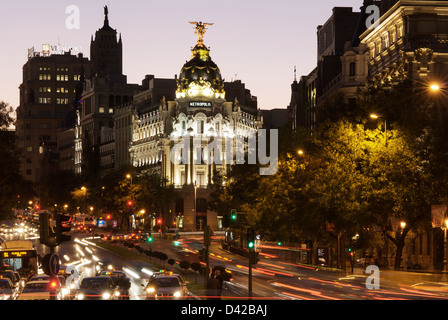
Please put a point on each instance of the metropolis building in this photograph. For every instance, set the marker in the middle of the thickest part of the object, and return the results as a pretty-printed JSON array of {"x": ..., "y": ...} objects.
[{"x": 187, "y": 139}]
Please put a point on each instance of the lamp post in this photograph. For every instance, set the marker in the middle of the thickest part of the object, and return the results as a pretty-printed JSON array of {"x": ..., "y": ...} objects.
[
  {"x": 445, "y": 254},
  {"x": 195, "y": 213}
]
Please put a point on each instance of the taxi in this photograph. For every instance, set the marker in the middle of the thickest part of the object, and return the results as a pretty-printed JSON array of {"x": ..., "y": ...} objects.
[{"x": 166, "y": 286}]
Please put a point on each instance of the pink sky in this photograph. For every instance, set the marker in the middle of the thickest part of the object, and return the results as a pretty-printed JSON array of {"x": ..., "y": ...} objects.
[{"x": 256, "y": 41}]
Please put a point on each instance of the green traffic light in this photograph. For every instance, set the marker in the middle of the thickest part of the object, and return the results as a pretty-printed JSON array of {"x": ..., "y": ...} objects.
[
  {"x": 150, "y": 239},
  {"x": 233, "y": 216},
  {"x": 250, "y": 244}
]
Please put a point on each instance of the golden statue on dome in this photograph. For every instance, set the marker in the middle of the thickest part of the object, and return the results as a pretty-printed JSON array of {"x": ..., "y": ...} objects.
[{"x": 200, "y": 31}]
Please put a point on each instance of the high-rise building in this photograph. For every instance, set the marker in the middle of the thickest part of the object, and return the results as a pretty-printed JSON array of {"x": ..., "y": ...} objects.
[
  {"x": 47, "y": 95},
  {"x": 103, "y": 93},
  {"x": 310, "y": 91}
]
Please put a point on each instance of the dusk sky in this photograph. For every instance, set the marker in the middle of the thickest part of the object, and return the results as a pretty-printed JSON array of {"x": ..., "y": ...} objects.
[{"x": 256, "y": 41}]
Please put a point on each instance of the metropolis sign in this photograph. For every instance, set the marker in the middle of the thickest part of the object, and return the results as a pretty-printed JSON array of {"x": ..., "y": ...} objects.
[{"x": 203, "y": 104}]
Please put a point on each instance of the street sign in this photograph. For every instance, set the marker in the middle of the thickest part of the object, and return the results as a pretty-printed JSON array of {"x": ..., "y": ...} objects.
[
  {"x": 54, "y": 264},
  {"x": 50, "y": 264}
]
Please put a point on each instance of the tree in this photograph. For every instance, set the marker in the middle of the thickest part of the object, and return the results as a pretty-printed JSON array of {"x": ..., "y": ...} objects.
[
  {"x": 171, "y": 262},
  {"x": 196, "y": 267},
  {"x": 184, "y": 264},
  {"x": 12, "y": 184},
  {"x": 155, "y": 194}
]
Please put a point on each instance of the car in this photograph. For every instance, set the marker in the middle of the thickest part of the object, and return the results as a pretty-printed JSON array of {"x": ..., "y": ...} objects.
[
  {"x": 121, "y": 281},
  {"x": 7, "y": 289},
  {"x": 97, "y": 288},
  {"x": 171, "y": 234},
  {"x": 13, "y": 276},
  {"x": 166, "y": 286},
  {"x": 60, "y": 283},
  {"x": 40, "y": 290}
]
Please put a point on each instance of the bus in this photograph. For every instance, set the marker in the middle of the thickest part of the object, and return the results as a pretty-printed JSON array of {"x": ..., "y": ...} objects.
[
  {"x": 83, "y": 220},
  {"x": 20, "y": 256}
]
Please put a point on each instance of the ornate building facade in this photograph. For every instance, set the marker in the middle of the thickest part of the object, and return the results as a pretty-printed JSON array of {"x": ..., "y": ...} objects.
[
  {"x": 410, "y": 42},
  {"x": 191, "y": 137}
]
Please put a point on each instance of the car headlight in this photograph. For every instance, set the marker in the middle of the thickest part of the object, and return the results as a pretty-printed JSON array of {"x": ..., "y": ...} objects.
[
  {"x": 106, "y": 295},
  {"x": 150, "y": 290},
  {"x": 80, "y": 296},
  {"x": 117, "y": 293},
  {"x": 177, "y": 294}
]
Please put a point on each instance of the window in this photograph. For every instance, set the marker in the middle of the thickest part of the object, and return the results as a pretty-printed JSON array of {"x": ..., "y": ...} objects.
[
  {"x": 352, "y": 69},
  {"x": 201, "y": 205},
  {"x": 200, "y": 176},
  {"x": 200, "y": 126},
  {"x": 45, "y": 100},
  {"x": 101, "y": 110},
  {"x": 29, "y": 149},
  {"x": 44, "y": 77}
]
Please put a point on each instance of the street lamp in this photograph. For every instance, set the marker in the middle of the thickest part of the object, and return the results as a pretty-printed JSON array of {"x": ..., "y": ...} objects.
[
  {"x": 195, "y": 213},
  {"x": 300, "y": 152},
  {"x": 376, "y": 117},
  {"x": 435, "y": 87},
  {"x": 445, "y": 254}
]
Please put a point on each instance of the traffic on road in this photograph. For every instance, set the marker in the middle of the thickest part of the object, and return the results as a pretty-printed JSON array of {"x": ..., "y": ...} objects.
[{"x": 138, "y": 265}]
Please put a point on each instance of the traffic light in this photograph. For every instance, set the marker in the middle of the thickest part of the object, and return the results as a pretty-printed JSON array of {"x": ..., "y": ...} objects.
[
  {"x": 207, "y": 234},
  {"x": 44, "y": 227},
  {"x": 202, "y": 255},
  {"x": 149, "y": 239},
  {"x": 233, "y": 215},
  {"x": 130, "y": 203},
  {"x": 250, "y": 237},
  {"x": 61, "y": 227}
]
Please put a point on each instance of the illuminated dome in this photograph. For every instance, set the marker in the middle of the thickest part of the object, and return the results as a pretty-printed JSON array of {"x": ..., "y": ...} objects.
[{"x": 200, "y": 77}]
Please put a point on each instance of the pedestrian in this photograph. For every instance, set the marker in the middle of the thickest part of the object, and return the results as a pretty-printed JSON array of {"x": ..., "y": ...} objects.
[
  {"x": 220, "y": 281},
  {"x": 212, "y": 288}
]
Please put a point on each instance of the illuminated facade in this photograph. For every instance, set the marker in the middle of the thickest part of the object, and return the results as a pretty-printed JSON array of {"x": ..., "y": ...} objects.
[
  {"x": 410, "y": 41},
  {"x": 181, "y": 137}
]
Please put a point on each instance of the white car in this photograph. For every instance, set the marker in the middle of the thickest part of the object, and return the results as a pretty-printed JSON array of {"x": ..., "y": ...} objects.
[
  {"x": 40, "y": 290},
  {"x": 162, "y": 287}
]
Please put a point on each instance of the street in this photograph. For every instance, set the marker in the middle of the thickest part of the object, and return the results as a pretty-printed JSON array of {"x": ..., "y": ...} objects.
[{"x": 273, "y": 279}]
